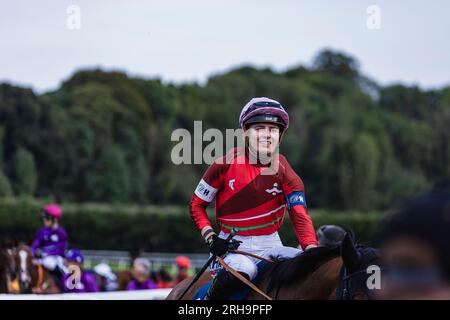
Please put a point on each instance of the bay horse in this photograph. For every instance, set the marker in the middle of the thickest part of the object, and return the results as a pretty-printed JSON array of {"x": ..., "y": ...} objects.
[
  {"x": 5, "y": 264},
  {"x": 317, "y": 274},
  {"x": 32, "y": 276},
  {"x": 8, "y": 281},
  {"x": 123, "y": 278}
]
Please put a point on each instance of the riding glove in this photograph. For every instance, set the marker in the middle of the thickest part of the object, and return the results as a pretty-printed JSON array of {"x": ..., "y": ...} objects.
[{"x": 220, "y": 246}]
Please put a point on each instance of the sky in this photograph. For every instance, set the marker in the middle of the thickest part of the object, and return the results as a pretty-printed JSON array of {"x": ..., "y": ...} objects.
[{"x": 403, "y": 41}]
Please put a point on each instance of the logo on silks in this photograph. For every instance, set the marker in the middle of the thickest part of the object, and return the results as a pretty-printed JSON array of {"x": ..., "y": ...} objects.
[
  {"x": 205, "y": 192},
  {"x": 54, "y": 237},
  {"x": 274, "y": 191},
  {"x": 202, "y": 189},
  {"x": 296, "y": 198},
  {"x": 230, "y": 183}
]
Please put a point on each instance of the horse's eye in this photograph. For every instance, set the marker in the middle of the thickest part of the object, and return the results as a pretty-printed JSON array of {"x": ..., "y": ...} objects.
[{"x": 360, "y": 296}]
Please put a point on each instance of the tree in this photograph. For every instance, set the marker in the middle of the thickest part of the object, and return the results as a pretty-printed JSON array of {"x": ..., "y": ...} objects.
[
  {"x": 105, "y": 136},
  {"x": 5, "y": 186},
  {"x": 113, "y": 176},
  {"x": 336, "y": 63},
  {"x": 25, "y": 175}
]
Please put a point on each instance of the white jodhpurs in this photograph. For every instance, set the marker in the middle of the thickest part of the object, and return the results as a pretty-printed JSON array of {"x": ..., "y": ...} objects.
[
  {"x": 266, "y": 246},
  {"x": 51, "y": 262}
]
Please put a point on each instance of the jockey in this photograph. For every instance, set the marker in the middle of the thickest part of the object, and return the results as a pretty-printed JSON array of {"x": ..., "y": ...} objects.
[
  {"x": 252, "y": 187},
  {"x": 141, "y": 275},
  {"x": 78, "y": 280},
  {"x": 51, "y": 241},
  {"x": 183, "y": 264},
  {"x": 106, "y": 278},
  {"x": 164, "y": 279}
]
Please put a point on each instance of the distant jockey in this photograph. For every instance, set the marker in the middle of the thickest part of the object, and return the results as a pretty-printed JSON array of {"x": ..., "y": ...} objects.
[
  {"x": 51, "y": 241},
  {"x": 78, "y": 280},
  {"x": 106, "y": 278},
  {"x": 183, "y": 264},
  {"x": 141, "y": 276}
]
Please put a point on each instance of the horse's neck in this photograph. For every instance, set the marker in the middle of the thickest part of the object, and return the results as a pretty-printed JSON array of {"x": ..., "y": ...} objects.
[
  {"x": 319, "y": 285},
  {"x": 323, "y": 282}
]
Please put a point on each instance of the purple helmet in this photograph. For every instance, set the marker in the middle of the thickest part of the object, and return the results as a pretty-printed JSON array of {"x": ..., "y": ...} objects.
[
  {"x": 263, "y": 109},
  {"x": 75, "y": 255}
]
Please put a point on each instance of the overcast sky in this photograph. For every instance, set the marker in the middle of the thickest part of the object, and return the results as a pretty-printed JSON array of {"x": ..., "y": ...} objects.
[{"x": 188, "y": 40}]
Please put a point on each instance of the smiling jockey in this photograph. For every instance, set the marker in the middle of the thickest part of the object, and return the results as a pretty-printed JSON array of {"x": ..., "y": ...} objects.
[{"x": 252, "y": 187}]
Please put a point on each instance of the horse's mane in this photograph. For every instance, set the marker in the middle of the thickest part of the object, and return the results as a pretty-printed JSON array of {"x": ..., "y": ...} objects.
[{"x": 283, "y": 272}]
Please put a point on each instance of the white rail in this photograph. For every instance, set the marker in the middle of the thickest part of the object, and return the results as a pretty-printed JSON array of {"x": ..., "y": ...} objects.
[
  {"x": 153, "y": 294},
  {"x": 122, "y": 258}
]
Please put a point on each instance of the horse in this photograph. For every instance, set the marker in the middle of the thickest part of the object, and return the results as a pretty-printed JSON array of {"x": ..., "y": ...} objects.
[
  {"x": 8, "y": 281},
  {"x": 32, "y": 276},
  {"x": 5, "y": 263},
  {"x": 123, "y": 278},
  {"x": 320, "y": 273}
]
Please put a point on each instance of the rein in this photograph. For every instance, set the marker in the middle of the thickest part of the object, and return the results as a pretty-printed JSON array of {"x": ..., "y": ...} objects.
[
  {"x": 251, "y": 255},
  {"x": 242, "y": 278}
]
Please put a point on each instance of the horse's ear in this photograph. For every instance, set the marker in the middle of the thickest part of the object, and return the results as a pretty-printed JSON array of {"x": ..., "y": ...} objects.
[
  {"x": 349, "y": 254},
  {"x": 352, "y": 235}
]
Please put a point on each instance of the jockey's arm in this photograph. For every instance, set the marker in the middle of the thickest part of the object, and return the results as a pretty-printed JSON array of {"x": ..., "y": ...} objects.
[
  {"x": 303, "y": 226},
  {"x": 204, "y": 194},
  {"x": 36, "y": 243},
  {"x": 294, "y": 190},
  {"x": 197, "y": 210},
  {"x": 62, "y": 245}
]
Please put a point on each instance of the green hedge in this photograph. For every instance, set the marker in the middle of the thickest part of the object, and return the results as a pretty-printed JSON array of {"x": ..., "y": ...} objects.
[
  {"x": 364, "y": 224},
  {"x": 148, "y": 228}
]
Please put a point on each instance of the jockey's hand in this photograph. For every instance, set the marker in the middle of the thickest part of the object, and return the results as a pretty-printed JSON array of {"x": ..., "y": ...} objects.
[
  {"x": 218, "y": 246},
  {"x": 234, "y": 244},
  {"x": 38, "y": 254},
  {"x": 311, "y": 246}
]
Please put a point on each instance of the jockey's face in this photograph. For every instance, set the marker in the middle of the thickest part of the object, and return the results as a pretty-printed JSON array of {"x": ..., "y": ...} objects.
[
  {"x": 140, "y": 272},
  {"x": 263, "y": 138},
  {"x": 139, "y": 275},
  {"x": 413, "y": 271},
  {"x": 182, "y": 270},
  {"x": 48, "y": 220}
]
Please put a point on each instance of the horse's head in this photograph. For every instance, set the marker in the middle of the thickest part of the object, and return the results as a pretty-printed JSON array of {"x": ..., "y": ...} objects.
[
  {"x": 24, "y": 267},
  {"x": 359, "y": 264}
]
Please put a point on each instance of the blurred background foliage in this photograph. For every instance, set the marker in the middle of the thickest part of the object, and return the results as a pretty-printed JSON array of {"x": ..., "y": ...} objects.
[
  {"x": 105, "y": 137},
  {"x": 148, "y": 228}
]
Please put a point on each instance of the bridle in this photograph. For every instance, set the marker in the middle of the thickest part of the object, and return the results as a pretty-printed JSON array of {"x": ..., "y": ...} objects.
[
  {"x": 368, "y": 256},
  {"x": 346, "y": 280}
]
